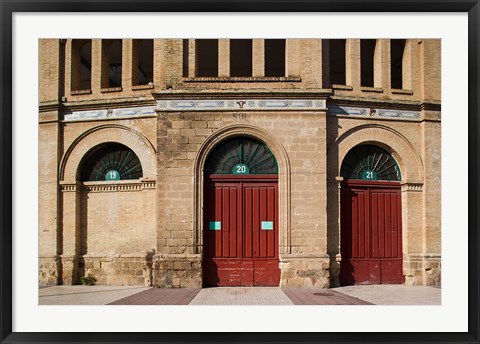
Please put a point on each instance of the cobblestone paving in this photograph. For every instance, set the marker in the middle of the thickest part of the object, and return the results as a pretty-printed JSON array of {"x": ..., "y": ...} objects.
[{"x": 241, "y": 296}]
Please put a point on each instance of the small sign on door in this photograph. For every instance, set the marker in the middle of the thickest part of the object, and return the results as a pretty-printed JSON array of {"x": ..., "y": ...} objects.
[
  {"x": 267, "y": 225},
  {"x": 215, "y": 225}
]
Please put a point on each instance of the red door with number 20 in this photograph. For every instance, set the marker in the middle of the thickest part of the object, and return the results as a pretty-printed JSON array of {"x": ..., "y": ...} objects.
[{"x": 241, "y": 231}]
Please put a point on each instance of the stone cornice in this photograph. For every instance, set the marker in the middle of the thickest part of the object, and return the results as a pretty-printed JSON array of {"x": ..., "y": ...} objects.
[
  {"x": 243, "y": 79},
  {"x": 105, "y": 104},
  {"x": 242, "y": 93},
  {"x": 49, "y": 106},
  {"x": 114, "y": 186},
  {"x": 412, "y": 105},
  {"x": 413, "y": 187}
]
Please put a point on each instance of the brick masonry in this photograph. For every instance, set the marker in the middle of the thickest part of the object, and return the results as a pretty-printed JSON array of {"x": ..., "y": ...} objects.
[{"x": 149, "y": 231}]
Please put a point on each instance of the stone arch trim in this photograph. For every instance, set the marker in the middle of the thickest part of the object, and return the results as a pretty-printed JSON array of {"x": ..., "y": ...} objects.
[
  {"x": 283, "y": 177},
  {"x": 134, "y": 140},
  {"x": 409, "y": 160}
]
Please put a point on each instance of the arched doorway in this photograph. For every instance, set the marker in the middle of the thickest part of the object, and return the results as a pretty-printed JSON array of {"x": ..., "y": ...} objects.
[
  {"x": 241, "y": 215},
  {"x": 371, "y": 217}
]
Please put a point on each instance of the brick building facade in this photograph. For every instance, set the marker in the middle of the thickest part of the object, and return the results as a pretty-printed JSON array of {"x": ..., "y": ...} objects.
[{"x": 189, "y": 163}]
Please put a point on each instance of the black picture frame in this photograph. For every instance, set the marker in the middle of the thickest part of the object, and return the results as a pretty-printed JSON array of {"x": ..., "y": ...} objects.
[{"x": 9, "y": 7}]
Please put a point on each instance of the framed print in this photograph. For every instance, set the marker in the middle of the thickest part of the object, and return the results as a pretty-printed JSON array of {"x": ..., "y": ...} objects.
[{"x": 306, "y": 149}]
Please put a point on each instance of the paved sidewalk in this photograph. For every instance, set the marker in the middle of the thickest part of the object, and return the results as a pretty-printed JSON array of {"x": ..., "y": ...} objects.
[
  {"x": 305, "y": 296},
  {"x": 241, "y": 296},
  {"x": 85, "y": 295},
  {"x": 350, "y": 295},
  {"x": 159, "y": 296},
  {"x": 394, "y": 294}
]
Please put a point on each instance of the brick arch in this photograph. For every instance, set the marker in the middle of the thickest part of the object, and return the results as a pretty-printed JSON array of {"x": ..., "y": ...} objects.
[
  {"x": 139, "y": 144},
  {"x": 283, "y": 176},
  {"x": 410, "y": 162}
]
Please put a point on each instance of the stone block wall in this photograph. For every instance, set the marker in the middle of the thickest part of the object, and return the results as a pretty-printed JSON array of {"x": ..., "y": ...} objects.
[
  {"x": 302, "y": 232},
  {"x": 166, "y": 221},
  {"x": 121, "y": 269}
]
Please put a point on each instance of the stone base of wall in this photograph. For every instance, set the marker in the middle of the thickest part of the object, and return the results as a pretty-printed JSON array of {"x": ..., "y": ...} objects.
[
  {"x": 422, "y": 270},
  {"x": 334, "y": 267},
  {"x": 433, "y": 270},
  {"x": 304, "y": 272},
  {"x": 132, "y": 269},
  {"x": 177, "y": 271},
  {"x": 69, "y": 269},
  {"x": 48, "y": 268}
]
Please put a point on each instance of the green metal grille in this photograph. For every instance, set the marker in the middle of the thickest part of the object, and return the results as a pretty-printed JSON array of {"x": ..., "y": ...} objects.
[
  {"x": 241, "y": 151},
  {"x": 111, "y": 161},
  {"x": 369, "y": 162}
]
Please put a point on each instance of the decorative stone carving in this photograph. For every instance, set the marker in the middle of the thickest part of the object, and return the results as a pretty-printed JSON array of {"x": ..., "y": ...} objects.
[
  {"x": 110, "y": 113},
  {"x": 241, "y": 104},
  {"x": 335, "y": 110},
  {"x": 415, "y": 187},
  {"x": 109, "y": 187}
]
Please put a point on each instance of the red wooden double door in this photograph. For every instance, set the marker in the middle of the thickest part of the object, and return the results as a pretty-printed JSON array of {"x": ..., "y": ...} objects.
[
  {"x": 371, "y": 233},
  {"x": 241, "y": 231}
]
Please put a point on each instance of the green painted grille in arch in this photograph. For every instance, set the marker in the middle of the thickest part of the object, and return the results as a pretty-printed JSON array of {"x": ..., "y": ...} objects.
[
  {"x": 241, "y": 155},
  {"x": 111, "y": 161},
  {"x": 370, "y": 162}
]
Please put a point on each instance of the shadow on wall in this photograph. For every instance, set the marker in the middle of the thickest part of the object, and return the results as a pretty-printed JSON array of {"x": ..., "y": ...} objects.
[
  {"x": 346, "y": 276},
  {"x": 333, "y": 202}
]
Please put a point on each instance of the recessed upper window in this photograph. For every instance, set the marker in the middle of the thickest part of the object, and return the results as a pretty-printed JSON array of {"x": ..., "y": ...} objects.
[
  {"x": 109, "y": 162},
  {"x": 336, "y": 61},
  {"x": 111, "y": 63},
  {"x": 241, "y": 57},
  {"x": 367, "y": 56},
  {"x": 275, "y": 57},
  {"x": 142, "y": 69},
  {"x": 81, "y": 64},
  {"x": 206, "y": 54},
  {"x": 397, "y": 48}
]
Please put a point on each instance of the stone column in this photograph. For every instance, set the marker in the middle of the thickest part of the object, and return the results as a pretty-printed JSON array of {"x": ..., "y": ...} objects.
[
  {"x": 223, "y": 57},
  {"x": 432, "y": 198},
  {"x": 258, "y": 53},
  {"x": 352, "y": 63},
  {"x": 382, "y": 64},
  {"x": 292, "y": 47},
  {"x": 71, "y": 232},
  {"x": 192, "y": 68},
  {"x": 408, "y": 64},
  {"x": 97, "y": 65},
  {"x": 333, "y": 229},
  {"x": 129, "y": 64},
  {"x": 412, "y": 230},
  {"x": 157, "y": 63}
]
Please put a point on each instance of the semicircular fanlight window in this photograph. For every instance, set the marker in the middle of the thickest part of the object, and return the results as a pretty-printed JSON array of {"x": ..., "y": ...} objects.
[
  {"x": 241, "y": 155},
  {"x": 112, "y": 161},
  {"x": 369, "y": 162}
]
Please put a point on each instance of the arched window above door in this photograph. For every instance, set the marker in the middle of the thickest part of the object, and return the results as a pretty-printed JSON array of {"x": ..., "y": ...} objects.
[
  {"x": 241, "y": 155},
  {"x": 370, "y": 162},
  {"x": 111, "y": 161}
]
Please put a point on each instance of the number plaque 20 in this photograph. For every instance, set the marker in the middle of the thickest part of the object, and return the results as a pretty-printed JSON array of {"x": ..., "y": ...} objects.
[{"x": 241, "y": 169}]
